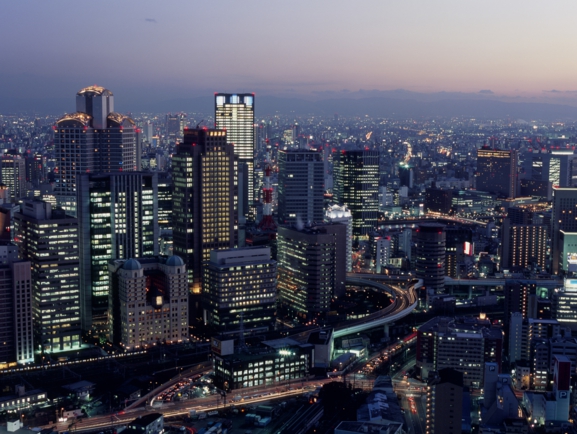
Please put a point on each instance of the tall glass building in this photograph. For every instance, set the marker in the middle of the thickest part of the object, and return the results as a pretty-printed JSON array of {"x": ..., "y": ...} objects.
[
  {"x": 94, "y": 139},
  {"x": 235, "y": 114},
  {"x": 497, "y": 171},
  {"x": 300, "y": 187},
  {"x": 356, "y": 185},
  {"x": 204, "y": 217},
  {"x": 49, "y": 240},
  {"x": 118, "y": 217}
]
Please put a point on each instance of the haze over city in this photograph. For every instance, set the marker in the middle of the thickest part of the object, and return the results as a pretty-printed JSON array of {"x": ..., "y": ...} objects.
[{"x": 153, "y": 52}]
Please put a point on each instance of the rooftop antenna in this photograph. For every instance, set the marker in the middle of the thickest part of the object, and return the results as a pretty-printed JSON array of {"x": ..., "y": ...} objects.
[{"x": 198, "y": 125}]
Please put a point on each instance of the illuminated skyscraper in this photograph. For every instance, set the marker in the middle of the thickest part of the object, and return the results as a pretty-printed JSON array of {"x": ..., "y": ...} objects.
[
  {"x": 204, "y": 217},
  {"x": 14, "y": 175},
  {"x": 431, "y": 239},
  {"x": 311, "y": 267},
  {"x": 497, "y": 171},
  {"x": 93, "y": 139},
  {"x": 523, "y": 245},
  {"x": 118, "y": 217},
  {"x": 240, "y": 282},
  {"x": 356, "y": 176},
  {"x": 300, "y": 187},
  {"x": 235, "y": 114},
  {"x": 49, "y": 240}
]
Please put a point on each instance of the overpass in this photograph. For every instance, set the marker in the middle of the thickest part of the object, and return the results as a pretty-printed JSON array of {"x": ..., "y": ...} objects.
[{"x": 404, "y": 302}]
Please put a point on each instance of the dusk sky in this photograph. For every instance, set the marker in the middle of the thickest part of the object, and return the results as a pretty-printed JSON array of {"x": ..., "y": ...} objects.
[{"x": 173, "y": 49}]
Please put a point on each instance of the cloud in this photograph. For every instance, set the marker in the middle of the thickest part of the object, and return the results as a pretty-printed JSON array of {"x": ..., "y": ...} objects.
[
  {"x": 486, "y": 91},
  {"x": 150, "y": 20}
]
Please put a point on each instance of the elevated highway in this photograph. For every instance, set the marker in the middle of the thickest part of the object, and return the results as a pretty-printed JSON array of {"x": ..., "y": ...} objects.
[{"x": 404, "y": 302}]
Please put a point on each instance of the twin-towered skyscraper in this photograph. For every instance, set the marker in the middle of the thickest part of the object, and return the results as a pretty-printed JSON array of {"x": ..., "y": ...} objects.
[{"x": 94, "y": 139}]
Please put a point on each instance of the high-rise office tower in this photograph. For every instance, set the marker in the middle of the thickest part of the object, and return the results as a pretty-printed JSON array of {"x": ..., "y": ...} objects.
[
  {"x": 118, "y": 218},
  {"x": 341, "y": 214},
  {"x": 174, "y": 126},
  {"x": 13, "y": 170},
  {"x": 563, "y": 227},
  {"x": 497, "y": 171},
  {"x": 445, "y": 403},
  {"x": 356, "y": 185},
  {"x": 300, "y": 187},
  {"x": 312, "y": 267},
  {"x": 542, "y": 170},
  {"x": 523, "y": 245},
  {"x": 164, "y": 203},
  {"x": 49, "y": 240},
  {"x": 431, "y": 239},
  {"x": 406, "y": 175},
  {"x": 16, "y": 332},
  {"x": 240, "y": 282},
  {"x": 235, "y": 114},
  {"x": 148, "y": 301},
  {"x": 94, "y": 139},
  {"x": 204, "y": 216}
]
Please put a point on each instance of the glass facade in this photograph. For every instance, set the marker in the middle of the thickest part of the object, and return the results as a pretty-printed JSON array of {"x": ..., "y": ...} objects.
[{"x": 356, "y": 179}]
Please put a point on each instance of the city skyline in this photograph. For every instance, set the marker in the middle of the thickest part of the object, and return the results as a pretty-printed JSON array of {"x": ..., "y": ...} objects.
[{"x": 302, "y": 50}]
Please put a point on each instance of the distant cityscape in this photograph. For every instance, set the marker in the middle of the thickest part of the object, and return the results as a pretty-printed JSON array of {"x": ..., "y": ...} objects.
[{"x": 234, "y": 270}]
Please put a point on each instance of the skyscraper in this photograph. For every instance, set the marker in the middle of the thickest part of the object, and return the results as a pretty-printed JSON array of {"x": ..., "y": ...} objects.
[
  {"x": 523, "y": 245},
  {"x": 235, "y": 114},
  {"x": 300, "y": 187},
  {"x": 431, "y": 253},
  {"x": 118, "y": 217},
  {"x": 14, "y": 175},
  {"x": 93, "y": 139},
  {"x": 204, "y": 217},
  {"x": 497, "y": 171},
  {"x": 356, "y": 185},
  {"x": 16, "y": 331},
  {"x": 240, "y": 282},
  {"x": 49, "y": 240},
  {"x": 445, "y": 402},
  {"x": 312, "y": 267}
]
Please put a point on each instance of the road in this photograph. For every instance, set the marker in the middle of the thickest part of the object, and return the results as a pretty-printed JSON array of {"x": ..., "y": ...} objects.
[{"x": 208, "y": 403}]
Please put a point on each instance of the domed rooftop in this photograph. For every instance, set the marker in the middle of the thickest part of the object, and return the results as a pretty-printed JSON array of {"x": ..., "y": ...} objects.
[
  {"x": 132, "y": 265},
  {"x": 174, "y": 261},
  {"x": 94, "y": 90}
]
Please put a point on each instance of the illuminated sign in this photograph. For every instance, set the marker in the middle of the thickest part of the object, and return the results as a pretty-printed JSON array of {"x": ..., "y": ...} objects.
[
  {"x": 468, "y": 248},
  {"x": 286, "y": 353},
  {"x": 571, "y": 285}
]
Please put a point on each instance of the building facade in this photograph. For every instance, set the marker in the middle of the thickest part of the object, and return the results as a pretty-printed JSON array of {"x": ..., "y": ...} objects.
[
  {"x": 463, "y": 344},
  {"x": 13, "y": 170},
  {"x": 148, "y": 302},
  {"x": 312, "y": 267},
  {"x": 431, "y": 251},
  {"x": 118, "y": 216},
  {"x": 300, "y": 187},
  {"x": 240, "y": 284},
  {"x": 49, "y": 240},
  {"x": 16, "y": 326},
  {"x": 497, "y": 171},
  {"x": 94, "y": 139},
  {"x": 235, "y": 114},
  {"x": 356, "y": 185},
  {"x": 204, "y": 193}
]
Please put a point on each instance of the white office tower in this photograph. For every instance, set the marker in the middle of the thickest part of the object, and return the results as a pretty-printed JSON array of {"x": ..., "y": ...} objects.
[
  {"x": 235, "y": 114},
  {"x": 341, "y": 214}
]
